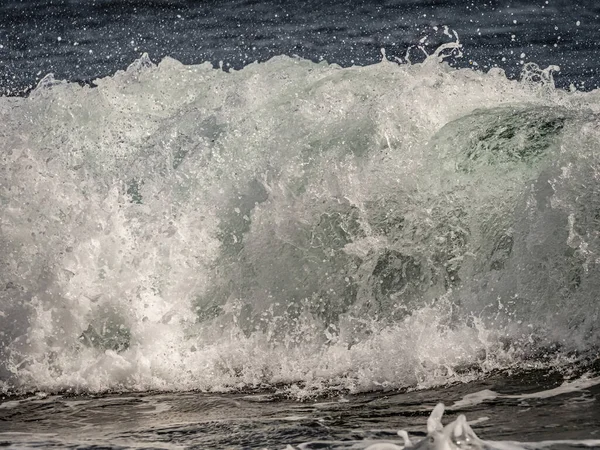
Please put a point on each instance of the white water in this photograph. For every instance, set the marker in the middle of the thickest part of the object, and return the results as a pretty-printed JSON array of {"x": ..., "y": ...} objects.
[
  {"x": 457, "y": 435},
  {"x": 181, "y": 227}
]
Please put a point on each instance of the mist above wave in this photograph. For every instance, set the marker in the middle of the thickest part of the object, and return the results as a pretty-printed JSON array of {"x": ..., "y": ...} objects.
[{"x": 182, "y": 227}]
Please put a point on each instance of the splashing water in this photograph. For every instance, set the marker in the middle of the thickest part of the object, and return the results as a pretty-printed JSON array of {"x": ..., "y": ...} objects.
[
  {"x": 295, "y": 224},
  {"x": 457, "y": 435}
]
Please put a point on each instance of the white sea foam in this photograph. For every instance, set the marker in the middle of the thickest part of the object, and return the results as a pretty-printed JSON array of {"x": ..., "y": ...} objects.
[
  {"x": 298, "y": 224},
  {"x": 567, "y": 387},
  {"x": 457, "y": 435}
]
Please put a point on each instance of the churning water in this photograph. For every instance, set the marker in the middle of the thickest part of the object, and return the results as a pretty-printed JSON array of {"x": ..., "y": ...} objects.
[{"x": 299, "y": 230}]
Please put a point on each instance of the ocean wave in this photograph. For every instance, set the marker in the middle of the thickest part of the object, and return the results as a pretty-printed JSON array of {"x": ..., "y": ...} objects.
[{"x": 298, "y": 224}]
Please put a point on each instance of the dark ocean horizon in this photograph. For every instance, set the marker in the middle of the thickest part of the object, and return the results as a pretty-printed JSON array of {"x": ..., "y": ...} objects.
[{"x": 84, "y": 40}]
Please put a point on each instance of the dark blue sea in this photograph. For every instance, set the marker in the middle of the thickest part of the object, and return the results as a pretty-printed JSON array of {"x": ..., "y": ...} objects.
[{"x": 299, "y": 225}]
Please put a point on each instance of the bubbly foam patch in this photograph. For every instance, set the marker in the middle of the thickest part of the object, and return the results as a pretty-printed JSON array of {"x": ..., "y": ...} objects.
[
  {"x": 294, "y": 224},
  {"x": 567, "y": 387}
]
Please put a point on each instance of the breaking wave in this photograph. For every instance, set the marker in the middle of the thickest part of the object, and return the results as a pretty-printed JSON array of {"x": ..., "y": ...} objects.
[{"x": 296, "y": 224}]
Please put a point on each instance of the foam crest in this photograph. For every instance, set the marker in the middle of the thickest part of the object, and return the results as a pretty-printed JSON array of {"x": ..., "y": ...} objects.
[{"x": 293, "y": 223}]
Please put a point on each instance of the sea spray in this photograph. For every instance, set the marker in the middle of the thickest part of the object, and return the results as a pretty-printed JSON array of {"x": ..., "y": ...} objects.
[{"x": 296, "y": 224}]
